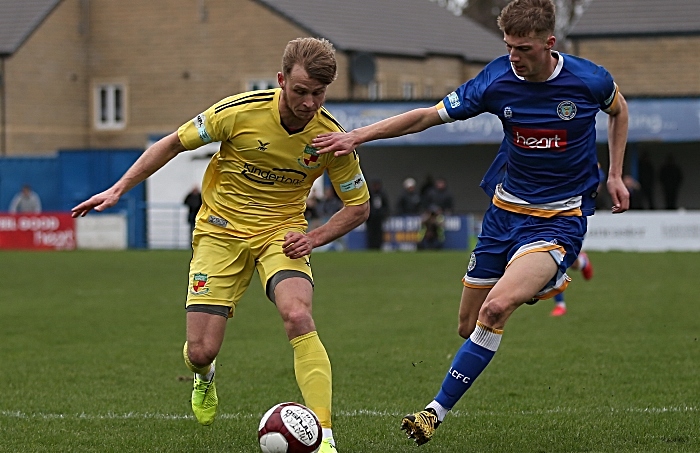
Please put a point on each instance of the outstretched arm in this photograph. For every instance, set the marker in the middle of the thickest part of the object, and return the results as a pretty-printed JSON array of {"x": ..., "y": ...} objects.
[
  {"x": 413, "y": 121},
  {"x": 617, "y": 141},
  {"x": 297, "y": 245},
  {"x": 150, "y": 161}
]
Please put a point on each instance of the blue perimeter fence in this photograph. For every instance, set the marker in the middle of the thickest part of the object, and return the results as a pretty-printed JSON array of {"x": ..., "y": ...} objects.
[{"x": 71, "y": 176}]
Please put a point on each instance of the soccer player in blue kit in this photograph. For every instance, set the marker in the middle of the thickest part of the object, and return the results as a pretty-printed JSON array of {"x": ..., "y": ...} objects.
[{"x": 543, "y": 182}]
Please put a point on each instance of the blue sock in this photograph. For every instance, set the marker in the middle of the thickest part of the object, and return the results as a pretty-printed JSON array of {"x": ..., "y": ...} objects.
[
  {"x": 469, "y": 362},
  {"x": 559, "y": 298}
]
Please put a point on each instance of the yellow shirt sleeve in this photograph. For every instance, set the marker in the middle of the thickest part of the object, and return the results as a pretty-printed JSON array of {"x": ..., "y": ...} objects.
[
  {"x": 347, "y": 178},
  {"x": 209, "y": 126}
]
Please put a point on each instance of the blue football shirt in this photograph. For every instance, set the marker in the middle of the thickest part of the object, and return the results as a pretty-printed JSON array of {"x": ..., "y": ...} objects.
[{"x": 547, "y": 163}]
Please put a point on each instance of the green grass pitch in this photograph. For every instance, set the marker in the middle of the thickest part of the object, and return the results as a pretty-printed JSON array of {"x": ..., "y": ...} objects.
[{"x": 90, "y": 357}]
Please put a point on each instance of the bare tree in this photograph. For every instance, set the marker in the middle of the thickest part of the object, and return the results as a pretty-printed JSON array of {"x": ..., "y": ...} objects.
[{"x": 486, "y": 11}]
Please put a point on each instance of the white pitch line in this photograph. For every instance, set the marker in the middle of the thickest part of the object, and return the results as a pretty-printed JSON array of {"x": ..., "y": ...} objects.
[{"x": 354, "y": 413}]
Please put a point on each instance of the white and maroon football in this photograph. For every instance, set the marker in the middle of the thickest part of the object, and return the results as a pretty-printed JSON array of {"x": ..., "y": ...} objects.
[{"x": 290, "y": 428}]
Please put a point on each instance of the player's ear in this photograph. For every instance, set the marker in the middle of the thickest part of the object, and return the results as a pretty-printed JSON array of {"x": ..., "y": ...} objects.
[
  {"x": 549, "y": 43},
  {"x": 280, "y": 79}
]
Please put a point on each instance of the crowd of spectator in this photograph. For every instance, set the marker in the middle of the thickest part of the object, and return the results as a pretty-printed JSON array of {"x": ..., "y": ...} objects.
[
  {"x": 432, "y": 202},
  {"x": 642, "y": 189}
]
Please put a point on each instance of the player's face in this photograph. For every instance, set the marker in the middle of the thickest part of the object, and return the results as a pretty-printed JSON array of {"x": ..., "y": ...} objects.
[
  {"x": 301, "y": 98},
  {"x": 531, "y": 56}
]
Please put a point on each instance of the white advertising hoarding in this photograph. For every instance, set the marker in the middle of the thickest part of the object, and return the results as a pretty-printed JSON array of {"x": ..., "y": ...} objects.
[{"x": 644, "y": 231}]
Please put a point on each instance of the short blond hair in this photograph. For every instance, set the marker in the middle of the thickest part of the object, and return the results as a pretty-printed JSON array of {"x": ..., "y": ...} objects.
[{"x": 315, "y": 55}]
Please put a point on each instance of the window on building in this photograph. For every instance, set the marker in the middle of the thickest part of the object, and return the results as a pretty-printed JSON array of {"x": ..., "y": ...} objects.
[
  {"x": 408, "y": 90},
  {"x": 262, "y": 84},
  {"x": 374, "y": 91},
  {"x": 427, "y": 91},
  {"x": 110, "y": 106}
]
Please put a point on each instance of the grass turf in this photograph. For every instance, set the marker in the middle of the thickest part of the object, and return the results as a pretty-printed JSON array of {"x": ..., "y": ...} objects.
[{"x": 90, "y": 357}]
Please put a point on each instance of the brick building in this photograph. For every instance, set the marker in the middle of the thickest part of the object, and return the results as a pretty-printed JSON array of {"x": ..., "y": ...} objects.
[
  {"x": 97, "y": 74},
  {"x": 648, "y": 45},
  {"x": 106, "y": 74}
]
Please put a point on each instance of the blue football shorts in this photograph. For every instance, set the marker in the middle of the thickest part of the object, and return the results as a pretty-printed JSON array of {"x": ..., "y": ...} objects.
[{"x": 506, "y": 236}]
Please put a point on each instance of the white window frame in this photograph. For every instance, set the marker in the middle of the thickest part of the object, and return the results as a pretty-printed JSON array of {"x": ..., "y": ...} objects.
[
  {"x": 408, "y": 90},
  {"x": 374, "y": 91},
  {"x": 110, "y": 105},
  {"x": 261, "y": 84}
]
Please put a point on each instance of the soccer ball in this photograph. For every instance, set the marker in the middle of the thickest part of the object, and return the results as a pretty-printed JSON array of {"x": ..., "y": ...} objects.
[{"x": 290, "y": 428}]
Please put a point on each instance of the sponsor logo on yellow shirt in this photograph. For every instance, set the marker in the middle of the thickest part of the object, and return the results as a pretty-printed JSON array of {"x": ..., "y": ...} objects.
[
  {"x": 357, "y": 182},
  {"x": 263, "y": 146}
]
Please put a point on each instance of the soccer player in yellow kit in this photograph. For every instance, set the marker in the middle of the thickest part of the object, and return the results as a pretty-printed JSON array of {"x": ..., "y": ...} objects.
[{"x": 252, "y": 217}]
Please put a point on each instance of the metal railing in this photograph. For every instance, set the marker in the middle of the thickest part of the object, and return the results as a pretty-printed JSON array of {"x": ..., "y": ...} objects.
[{"x": 167, "y": 226}]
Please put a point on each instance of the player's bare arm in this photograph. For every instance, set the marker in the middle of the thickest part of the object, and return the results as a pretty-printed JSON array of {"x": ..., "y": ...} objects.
[
  {"x": 618, "y": 121},
  {"x": 410, "y": 122},
  {"x": 156, "y": 156},
  {"x": 297, "y": 244}
]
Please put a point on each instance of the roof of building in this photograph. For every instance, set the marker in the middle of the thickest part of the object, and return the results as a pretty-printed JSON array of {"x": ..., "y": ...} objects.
[
  {"x": 415, "y": 28},
  {"x": 638, "y": 17},
  {"x": 19, "y": 19}
]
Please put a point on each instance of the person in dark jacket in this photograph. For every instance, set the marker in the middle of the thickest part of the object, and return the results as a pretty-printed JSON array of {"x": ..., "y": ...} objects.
[{"x": 378, "y": 213}]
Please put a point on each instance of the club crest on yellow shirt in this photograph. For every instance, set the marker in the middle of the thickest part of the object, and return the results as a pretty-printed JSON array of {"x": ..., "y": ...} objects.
[{"x": 309, "y": 158}]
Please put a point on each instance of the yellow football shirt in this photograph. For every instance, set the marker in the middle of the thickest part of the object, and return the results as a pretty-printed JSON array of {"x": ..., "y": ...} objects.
[{"x": 261, "y": 176}]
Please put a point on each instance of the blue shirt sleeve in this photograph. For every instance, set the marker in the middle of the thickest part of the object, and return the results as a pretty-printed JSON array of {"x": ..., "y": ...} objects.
[
  {"x": 468, "y": 100},
  {"x": 598, "y": 80}
]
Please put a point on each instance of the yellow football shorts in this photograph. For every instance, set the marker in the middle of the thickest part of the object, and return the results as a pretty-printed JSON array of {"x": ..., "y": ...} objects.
[{"x": 222, "y": 265}]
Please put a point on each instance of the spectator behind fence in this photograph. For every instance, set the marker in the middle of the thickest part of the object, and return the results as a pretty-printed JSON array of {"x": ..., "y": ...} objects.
[
  {"x": 378, "y": 213},
  {"x": 409, "y": 201},
  {"x": 25, "y": 202},
  {"x": 193, "y": 201},
  {"x": 432, "y": 232},
  {"x": 602, "y": 198},
  {"x": 329, "y": 205},
  {"x": 326, "y": 207},
  {"x": 647, "y": 180},
  {"x": 635, "y": 191},
  {"x": 671, "y": 177},
  {"x": 425, "y": 187},
  {"x": 311, "y": 211},
  {"x": 440, "y": 196}
]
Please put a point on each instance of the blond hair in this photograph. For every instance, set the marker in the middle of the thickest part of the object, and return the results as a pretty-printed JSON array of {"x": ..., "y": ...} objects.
[{"x": 315, "y": 55}]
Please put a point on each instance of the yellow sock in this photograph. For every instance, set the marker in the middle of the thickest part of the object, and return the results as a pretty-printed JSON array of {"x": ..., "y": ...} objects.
[
  {"x": 195, "y": 369},
  {"x": 313, "y": 372}
]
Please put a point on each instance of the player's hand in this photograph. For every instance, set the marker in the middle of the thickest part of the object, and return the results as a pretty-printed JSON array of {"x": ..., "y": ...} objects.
[
  {"x": 619, "y": 194},
  {"x": 296, "y": 245},
  {"x": 99, "y": 202},
  {"x": 338, "y": 143}
]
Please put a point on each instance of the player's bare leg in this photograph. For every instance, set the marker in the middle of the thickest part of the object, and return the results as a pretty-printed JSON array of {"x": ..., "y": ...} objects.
[
  {"x": 522, "y": 280},
  {"x": 469, "y": 307},
  {"x": 293, "y": 297},
  {"x": 312, "y": 368},
  {"x": 205, "y": 334}
]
